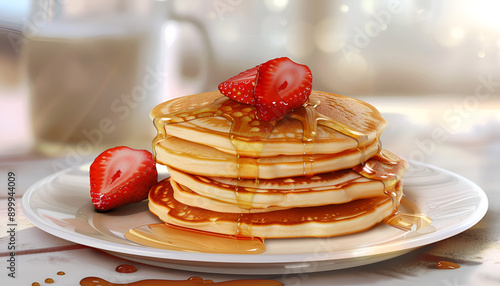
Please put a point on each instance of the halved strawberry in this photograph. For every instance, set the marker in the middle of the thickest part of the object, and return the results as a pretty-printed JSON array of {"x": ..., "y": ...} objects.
[
  {"x": 282, "y": 85},
  {"x": 241, "y": 86},
  {"x": 120, "y": 176}
]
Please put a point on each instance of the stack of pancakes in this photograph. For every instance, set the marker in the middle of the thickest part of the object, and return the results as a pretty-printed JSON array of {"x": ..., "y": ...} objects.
[{"x": 319, "y": 171}]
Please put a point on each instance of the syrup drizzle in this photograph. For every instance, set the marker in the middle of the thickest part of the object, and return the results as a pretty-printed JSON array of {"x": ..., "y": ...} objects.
[
  {"x": 192, "y": 281},
  {"x": 244, "y": 128},
  {"x": 384, "y": 169},
  {"x": 314, "y": 118},
  {"x": 160, "y": 122},
  {"x": 310, "y": 118},
  {"x": 305, "y": 115}
]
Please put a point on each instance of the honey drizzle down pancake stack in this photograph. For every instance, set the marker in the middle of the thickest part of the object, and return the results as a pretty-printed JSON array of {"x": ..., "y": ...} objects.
[{"x": 318, "y": 171}]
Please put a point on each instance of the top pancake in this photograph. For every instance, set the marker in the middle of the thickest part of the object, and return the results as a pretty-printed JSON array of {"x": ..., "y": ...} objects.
[{"x": 335, "y": 123}]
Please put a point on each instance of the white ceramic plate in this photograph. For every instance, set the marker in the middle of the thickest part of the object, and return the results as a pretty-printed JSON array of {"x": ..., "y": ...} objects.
[{"x": 60, "y": 205}]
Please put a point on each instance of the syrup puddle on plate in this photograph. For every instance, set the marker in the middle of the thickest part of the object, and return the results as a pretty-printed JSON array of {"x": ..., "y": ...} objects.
[
  {"x": 408, "y": 221},
  {"x": 171, "y": 237}
]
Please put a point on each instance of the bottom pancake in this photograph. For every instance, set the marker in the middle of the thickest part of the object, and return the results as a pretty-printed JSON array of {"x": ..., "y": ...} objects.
[{"x": 322, "y": 221}]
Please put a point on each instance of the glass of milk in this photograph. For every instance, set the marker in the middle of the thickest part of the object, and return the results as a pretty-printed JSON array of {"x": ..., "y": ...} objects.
[{"x": 95, "y": 69}]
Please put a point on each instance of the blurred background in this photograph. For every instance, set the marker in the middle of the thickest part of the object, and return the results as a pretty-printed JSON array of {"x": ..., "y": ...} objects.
[{"x": 79, "y": 76}]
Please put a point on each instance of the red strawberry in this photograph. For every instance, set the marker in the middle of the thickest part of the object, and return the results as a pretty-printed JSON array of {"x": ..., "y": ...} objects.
[
  {"x": 241, "y": 86},
  {"x": 120, "y": 176},
  {"x": 282, "y": 85}
]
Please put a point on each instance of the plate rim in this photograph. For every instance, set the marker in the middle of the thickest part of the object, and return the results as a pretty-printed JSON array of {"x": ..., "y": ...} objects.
[{"x": 219, "y": 258}]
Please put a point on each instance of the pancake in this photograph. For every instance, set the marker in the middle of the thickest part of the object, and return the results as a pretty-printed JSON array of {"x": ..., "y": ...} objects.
[
  {"x": 202, "y": 160},
  {"x": 186, "y": 196},
  {"x": 248, "y": 196},
  {"x": 323, "y": 221},
  {"x": 339, "y": 123}
]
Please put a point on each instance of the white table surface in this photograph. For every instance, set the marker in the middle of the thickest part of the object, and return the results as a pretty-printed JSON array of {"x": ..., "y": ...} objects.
[{"x": 470, "y": 147}]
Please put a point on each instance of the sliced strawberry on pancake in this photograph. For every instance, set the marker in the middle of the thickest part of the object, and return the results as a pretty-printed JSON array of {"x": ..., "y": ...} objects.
[
  {"x": 282, "y": 85},
  {"x": 241, "y": 87}
]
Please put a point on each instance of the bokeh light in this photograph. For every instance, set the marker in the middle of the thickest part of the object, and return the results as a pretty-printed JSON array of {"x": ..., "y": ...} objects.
[
  {"x": 276, "y": 5},
  {"x": 327, "y": 36}
]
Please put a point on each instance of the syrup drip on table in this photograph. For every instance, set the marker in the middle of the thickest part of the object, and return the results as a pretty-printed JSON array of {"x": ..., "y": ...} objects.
[
  {"x": 125, "y": 268},
  {"x": 49, "y": 280},
  {"x": 446, "y": 265},
  {"x": 192, "y": 281}
]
